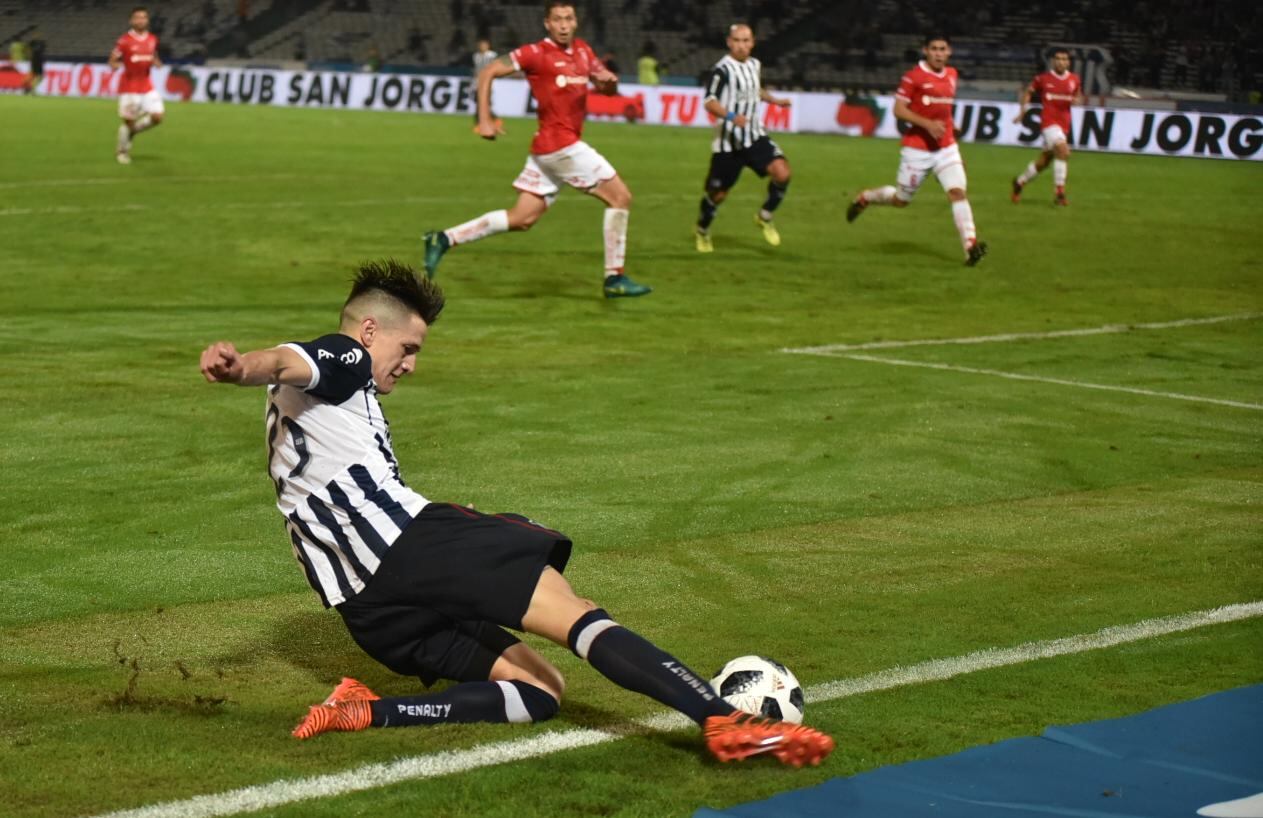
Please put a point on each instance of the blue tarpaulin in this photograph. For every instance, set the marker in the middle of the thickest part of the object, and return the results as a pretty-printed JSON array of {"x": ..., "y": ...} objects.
[{"x": 1164, "y": 763}]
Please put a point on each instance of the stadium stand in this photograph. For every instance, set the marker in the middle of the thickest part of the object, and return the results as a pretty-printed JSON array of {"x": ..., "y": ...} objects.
[{"x": 1210, "y": 46}]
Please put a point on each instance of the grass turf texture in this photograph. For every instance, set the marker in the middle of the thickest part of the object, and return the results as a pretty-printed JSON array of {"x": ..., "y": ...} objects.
[{"x": 725, "y": 498}]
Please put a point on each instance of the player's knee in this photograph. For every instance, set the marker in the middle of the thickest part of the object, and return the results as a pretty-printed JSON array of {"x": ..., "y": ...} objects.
[
  {"x": 621, "y": 200},
  {"x": 156, "y": 119},
  {"x": 539, "y": 704},
  {"x": 897, "y": 202},
  {"x": 957, "y": 194}
]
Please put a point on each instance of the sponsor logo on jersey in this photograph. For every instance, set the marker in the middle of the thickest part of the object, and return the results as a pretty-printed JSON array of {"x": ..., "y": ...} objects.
[
  {"x": 321, "y": 354},
  {"x": 563, "y": 80},
  {"x": 352, "y": 357}
]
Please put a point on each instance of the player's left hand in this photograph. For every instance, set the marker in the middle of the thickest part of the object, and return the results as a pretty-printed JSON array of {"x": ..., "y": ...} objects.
[
  {"x": 605, "y": 82},
  {"x": 784, "y": 102}
]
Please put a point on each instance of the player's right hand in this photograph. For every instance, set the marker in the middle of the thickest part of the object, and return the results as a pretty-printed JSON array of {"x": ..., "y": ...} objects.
[
  {"x": 221, "y": 363},
  {"x": 936, "y": 129},
  {"x": 489, "y": 129},
  {"x": 740, "y": 121}
]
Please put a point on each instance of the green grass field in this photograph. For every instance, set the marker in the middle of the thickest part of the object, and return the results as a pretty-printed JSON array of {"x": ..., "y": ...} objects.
[{"x": 847, "y": 516}]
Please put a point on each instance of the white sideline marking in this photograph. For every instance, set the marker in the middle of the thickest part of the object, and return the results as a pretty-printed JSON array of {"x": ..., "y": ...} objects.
[
  {"x": 1108, "y": 329},
  {"x": 1015, "y": 376},
  {"x": 372, "y": 776}
]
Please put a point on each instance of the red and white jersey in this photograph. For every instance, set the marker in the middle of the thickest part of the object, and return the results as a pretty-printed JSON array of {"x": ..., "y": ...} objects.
[
  {"x": 1056, "y": 92},
  {"x": 138, "y": 52},
  {"x": 929, "y": 94},
  {"x": 559, "y": 80}
]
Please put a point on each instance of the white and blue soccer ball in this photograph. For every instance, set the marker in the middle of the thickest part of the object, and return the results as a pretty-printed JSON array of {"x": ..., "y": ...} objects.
[{"x": 761, "y": 686}]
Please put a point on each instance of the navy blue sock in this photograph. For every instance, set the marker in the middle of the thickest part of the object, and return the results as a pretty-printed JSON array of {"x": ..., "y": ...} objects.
[
  {"x": 775, "y": 195},
  {"x": 467, "y": 702},
  {"x": 707, "y": 213},
  {"x": 630, "y": 661}
]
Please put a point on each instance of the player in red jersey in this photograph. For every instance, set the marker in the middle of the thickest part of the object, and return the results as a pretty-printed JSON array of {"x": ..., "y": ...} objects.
[
  {"x": 924, "y": 100},
  {"x": 139, "y": 104},
  {"x": 558, "y": 68},
  {"x": 1057, "y": 89}
]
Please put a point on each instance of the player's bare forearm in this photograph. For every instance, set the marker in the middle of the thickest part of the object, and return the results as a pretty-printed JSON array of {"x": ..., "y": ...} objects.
[
  {"x": 716, "y": 108},
  {"x": 784, "y": 102},
  {"x": 222, "y": 363},
  {"x": 115, "y": 62},
  {"x": 903, "y": 112}
]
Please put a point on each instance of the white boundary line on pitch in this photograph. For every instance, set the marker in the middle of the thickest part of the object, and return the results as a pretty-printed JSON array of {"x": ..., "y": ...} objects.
[
  {"x": 372, "y": 776},
  {"x": 1015, "y": 376},
  {"x": 1108, "y": 329}
]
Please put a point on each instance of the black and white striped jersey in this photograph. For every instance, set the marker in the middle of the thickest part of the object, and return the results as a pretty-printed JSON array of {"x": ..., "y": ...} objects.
[
  {"x": 736, "y": 85},
  {"x": 331, "y": 461}
]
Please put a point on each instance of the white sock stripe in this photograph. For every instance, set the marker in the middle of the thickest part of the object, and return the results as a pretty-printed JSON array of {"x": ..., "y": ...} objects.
[
  {"x": 589, "y": 634},
  {"x": 514, "y": 708}
]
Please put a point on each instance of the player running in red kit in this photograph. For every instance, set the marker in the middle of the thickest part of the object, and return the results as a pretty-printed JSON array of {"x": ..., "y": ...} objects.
[
  {"x": 139, "y": 104},
  {"x": 924, "y": 100},
  {"x": 558, "y": 68},
  {"x": 1057, "y": 90}
]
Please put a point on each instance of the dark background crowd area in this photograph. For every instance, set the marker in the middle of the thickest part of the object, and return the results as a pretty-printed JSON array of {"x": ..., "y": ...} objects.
[{"x": 1192, "y": 47}]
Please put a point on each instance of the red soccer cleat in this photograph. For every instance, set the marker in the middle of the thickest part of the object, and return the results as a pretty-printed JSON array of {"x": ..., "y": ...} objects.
[
  {"x": 1016, "y": 196},
  {"x": 1059, "y": 198},
  {"x": 739, "y": 735}
]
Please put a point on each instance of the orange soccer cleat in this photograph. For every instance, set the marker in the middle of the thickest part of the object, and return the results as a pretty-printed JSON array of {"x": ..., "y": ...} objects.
[
  {"x": 346, "y": 717},
  {"x": 739, "y": 735},
  {"x": 351, "y": 690}
]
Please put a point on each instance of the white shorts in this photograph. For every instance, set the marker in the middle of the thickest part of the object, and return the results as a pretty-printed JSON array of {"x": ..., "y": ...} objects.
[
  {"x": 577, "y": 165},
  {"x": 1053, "y": 136},
  {"x": 134, "y": 106},
  {"x": 915, "y": 164}
]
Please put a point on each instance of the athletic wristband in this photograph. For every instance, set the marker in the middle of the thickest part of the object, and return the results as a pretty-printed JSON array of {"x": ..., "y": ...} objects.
[{"x": 730, "y": 116}]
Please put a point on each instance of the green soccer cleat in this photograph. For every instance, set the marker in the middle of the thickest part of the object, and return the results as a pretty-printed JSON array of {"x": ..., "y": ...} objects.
[
  {"x": 770, "y": 234},
  {"x": 436, "y": 245},
  {"x": 704, "y": 244},
  {"x": 620, "y": 286}
]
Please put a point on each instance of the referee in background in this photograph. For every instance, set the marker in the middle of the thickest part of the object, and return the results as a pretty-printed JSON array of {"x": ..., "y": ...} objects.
[{"x": 733, "y": 94}]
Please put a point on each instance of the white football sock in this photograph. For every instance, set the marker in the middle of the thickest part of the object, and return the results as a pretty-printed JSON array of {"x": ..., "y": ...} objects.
[
  {"x": 615, "y": 239},
  {"x": 124, "y": 138},
  {"x": 143, "y": 124},
  {"x": 878, "y": 195},
  {"x": 1061, "y": 168},
  {"x": 1030, "y": 173},
  {"x": 963, "y": 215},
  {"x": 488, "y": 224}
]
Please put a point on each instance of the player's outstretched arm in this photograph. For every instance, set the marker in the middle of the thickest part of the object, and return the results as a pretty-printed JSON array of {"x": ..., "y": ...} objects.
[
  {"x": 502, "y": 67},
  {"x": 766, "y": 96},
  {"x": 1023, "y": 102},
  {"x": 222, "y": 363},
  {"x": 116, "y": 59}
]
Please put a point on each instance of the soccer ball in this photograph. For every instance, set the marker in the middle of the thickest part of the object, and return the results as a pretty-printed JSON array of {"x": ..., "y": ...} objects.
[{"x": 761, "y": 686}]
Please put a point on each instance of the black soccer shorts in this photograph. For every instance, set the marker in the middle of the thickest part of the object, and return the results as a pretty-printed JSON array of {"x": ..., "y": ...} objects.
[
  {"x": 438, "y": 604},
  {"x": 725, "y": 168}
]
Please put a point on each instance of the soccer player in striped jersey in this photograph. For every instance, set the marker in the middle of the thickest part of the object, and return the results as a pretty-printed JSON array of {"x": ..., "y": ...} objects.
[
  {"x": 559, "y": 69},
  {"x": 1057, "y": 90},
  {"x": 924, "y": 100},
  {"x": 733, "y": 94},
  {"x": 428, "y": 589}
]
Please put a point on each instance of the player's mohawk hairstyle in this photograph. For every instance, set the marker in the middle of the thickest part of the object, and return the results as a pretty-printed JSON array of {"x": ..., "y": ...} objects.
[{"x": 400, "y": 282}]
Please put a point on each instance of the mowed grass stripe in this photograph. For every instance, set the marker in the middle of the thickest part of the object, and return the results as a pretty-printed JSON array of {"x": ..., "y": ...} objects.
[{"x": 373, "y": 776}]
